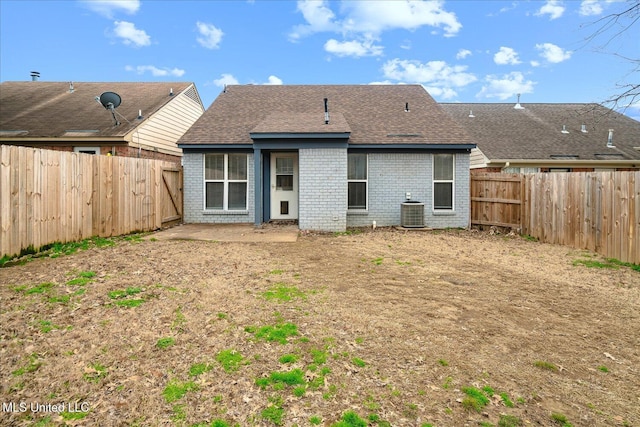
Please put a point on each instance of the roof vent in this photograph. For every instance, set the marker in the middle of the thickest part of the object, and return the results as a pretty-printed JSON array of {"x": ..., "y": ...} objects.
[
  {"x": 326, "y": 111},
  {"x": 35, "y": 76},
  {"x": 139, "y": 114},
  {"x": 471, "y": 114},
  {"x": 583, "y": 129},
  {"x": 564, "y": 129},
  {"x": 610, "y": 139},
  {"x": 70, "y": 87},
  {"x": 406, "y": 107},
  {"x": 518, "y": 106},
  {"x": 171, "y": 92}
]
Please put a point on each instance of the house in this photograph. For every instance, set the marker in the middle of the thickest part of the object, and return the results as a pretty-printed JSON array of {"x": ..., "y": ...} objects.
[
  {"x": 532, "y": 138},
  {"x": 326, "y": 156},
  {"x": 68, "y": 116}
]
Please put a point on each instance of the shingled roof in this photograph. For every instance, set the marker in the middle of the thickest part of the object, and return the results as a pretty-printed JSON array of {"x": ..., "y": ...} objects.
[
  {"x": 503, "y": 132},
  {"x": 52, "y": 110},
  {"x": 373, "y": 114}
]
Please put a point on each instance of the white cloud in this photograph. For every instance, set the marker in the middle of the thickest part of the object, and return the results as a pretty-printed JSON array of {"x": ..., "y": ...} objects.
[
  {"x": 225, "y": 79},
  {"x": 155, "y": 71},
  {"x": 506, "y": 56},
  {"x": 353, "y": 48},
  {"x": 553, "y": 8},
  {"x": 130, "y": 35},
  {"x": 463, "y": 53},
  {"x": 535, "y": 63},
  {"x": 319, "y": 18},
  {"x": 372, "y": 18},
  {"x": 440, "y": 78},
  {"x": 211, "y": 36},
  {"x": 273, "y": 80},
  {"x": 553, "y": 53},
  {"x": 109, "y": 7},
  {"x": 590, "y": 8},
  {"x": 506, "y": 86}
]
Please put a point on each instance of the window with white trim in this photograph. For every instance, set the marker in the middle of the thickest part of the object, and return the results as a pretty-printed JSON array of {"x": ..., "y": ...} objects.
[
  {"x": 443, "y": 181},
  {"x": 225, "y": 182},
  {"x": 357, "y": 181}
]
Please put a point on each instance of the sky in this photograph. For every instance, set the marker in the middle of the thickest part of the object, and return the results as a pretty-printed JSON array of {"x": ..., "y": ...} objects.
[{"x": 460, "y": 51}]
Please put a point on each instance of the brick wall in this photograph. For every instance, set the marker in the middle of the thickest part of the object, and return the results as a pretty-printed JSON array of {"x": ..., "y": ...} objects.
[
  {"x": 194, "y": 211},
  {"x": 392, "y": 175},
  {"x": 323, "y": 189}
]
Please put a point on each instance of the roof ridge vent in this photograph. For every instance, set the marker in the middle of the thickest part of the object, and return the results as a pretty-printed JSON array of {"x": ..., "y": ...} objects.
[{"x": 518, "y": 106}]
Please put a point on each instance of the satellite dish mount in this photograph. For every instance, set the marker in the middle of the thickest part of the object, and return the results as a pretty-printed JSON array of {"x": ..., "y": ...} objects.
[{"x": 110, "y": 101}]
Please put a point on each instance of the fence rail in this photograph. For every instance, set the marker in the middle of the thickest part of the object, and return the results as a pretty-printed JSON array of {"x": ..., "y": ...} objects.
[
  {"x": 54, "y": 196},
  {"x": 598, "y": 211}
]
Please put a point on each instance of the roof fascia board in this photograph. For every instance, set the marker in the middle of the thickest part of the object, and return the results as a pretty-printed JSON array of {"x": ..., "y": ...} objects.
[
  {"x": 66, "y": 140},
  {"x": 413, "y": 147},
  {"x": 199, "y": 148}
]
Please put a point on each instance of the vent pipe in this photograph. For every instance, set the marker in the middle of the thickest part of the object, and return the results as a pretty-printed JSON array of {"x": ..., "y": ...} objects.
[
  {"x": 171, "y": 92},
  {"x": 326, "y": 111},
  {"x": 70, "y": 87},
  {"x": 518, "y": 106},
  {"x": 583, "y": 129},
  {"x": 35, "y": 76},
  {"x": 471, "y": 114},
  {"x": 139, "y": 114},
  {"x": 406, "y": 107},
  {"x": 610, "y": 139},
  {"x": 564, "y": 129}
]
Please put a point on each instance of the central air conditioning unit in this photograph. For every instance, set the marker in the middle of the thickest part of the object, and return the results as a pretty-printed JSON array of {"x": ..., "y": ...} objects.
[{"x": 412, "y": 214}]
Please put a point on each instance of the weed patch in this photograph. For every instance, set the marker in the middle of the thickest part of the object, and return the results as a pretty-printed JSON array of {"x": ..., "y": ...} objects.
[
  {"x": 279, "y": 333},
  {"x": 350, "y": 419},
  {"x": 509, "y": 421},
  {"x": 32, "y": 366},
  {"x": 545, "y": 365},
  {"x": 176, "y": 390},
  {"x": 476, "y": 399},
  {"x": 94, "y": 373},
  {"x": 230, "y": 360},
  {"x": 167, "y": 342},
  {"x": 561, "y": 419},
  {"x": 199, "y": 369},
  {"x": 288, "y": 358},
  {"x": 283, "y": 293},
  {"x": 358, "y": 362}
]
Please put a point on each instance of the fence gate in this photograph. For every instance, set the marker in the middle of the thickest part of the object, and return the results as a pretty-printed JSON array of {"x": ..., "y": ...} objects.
[
  {"x": 496, "y": 199},
  {"x": 171, "y": 195}
]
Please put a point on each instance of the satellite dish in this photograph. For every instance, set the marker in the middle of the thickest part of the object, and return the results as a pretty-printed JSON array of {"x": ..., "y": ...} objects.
[{"x": 110, "y": 101}]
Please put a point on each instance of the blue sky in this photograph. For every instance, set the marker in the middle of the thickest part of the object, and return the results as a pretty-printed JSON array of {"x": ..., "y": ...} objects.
[{"x": 461, "y": 51}]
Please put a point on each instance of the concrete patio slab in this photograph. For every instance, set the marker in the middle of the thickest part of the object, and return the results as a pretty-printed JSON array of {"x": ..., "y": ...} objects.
[{"x": 229, "y": 233}]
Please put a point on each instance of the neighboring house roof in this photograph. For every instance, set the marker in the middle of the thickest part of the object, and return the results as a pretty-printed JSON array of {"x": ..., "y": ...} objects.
[
  {"x": 367, "y": 114},
  {"x": 50, "y": 111},
  {"x": 504, "y": 133}
]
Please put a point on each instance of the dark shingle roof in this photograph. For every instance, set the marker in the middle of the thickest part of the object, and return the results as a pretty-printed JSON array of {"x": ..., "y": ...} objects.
[
  {"x": 371, "y": 113},
  {"x": 50, "y": 110},
  {"x": 535, "y": 132}
]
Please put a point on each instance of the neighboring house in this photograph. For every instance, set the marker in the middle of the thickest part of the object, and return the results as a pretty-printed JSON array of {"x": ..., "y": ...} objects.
[
  {"x": 67, "y": 116},
  {"x": 531, "y": 138},
  {"x": 264, "y": 153}
]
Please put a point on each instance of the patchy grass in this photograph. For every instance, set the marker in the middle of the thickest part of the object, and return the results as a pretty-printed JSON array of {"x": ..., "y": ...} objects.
[
  {"x": 166, "y": 342},
  {"x": 283, "y": 293},
  {"x": 199, "y": 368},
  {"x": 230, "y": 360},
  {"x": 32, "y": 365},
  {"x": 279, "y": 333},
  {"x": 175, "y": 390},
  {"x": 475, "y": 399},
  {"x": 545, "y": 365},
  {"x": 350, "y": 419},
  {"x": 509, "y": 421},
  {"x": 124, "y": 293},
  {"x": 358, "y": 362},
  {"x": 95, "y": 372},
  {"x": 561, "y": 420},
  {"x": 289, "y": 358}
]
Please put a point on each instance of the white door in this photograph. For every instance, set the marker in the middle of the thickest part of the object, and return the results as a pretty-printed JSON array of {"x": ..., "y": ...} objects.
[{"x": 284, "y": 185}]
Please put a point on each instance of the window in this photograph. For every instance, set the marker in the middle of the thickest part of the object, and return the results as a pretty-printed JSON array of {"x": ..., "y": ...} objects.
[
  {"x": 443, "y": 181},
  {"x": 225, "y": 181},
  {"x": 357, "y": 181}
]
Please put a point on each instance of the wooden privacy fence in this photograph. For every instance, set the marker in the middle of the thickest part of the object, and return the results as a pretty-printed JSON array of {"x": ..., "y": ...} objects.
[
  {"x": 54, "y": 196},
  {"x": 598, "y": 211}
]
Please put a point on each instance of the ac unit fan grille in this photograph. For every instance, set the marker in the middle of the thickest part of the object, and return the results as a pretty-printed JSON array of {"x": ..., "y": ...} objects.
[{"x": 412, "y": 215}]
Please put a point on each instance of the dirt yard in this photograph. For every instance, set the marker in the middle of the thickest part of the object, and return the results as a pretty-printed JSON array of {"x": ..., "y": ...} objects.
[{"x": 455, "y": 328}]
